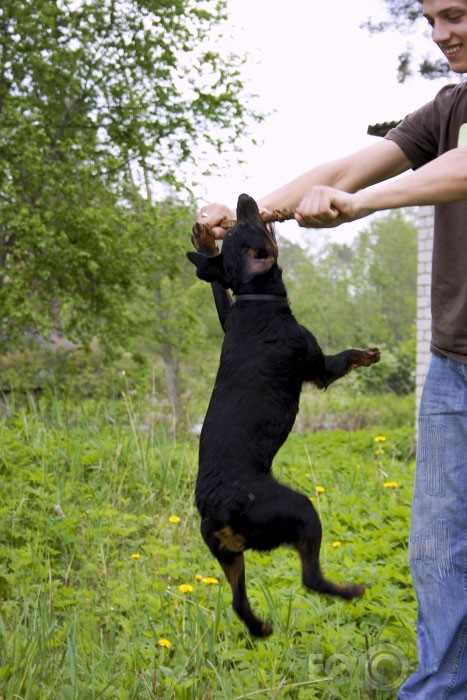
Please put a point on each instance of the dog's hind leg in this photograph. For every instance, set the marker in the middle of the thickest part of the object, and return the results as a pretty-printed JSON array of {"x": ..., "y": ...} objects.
[
  {"x": 314, "y": 579},
  {"x": 308, "y": 548},
  {"x": 233, "y": 565},
  {"x": 227, "y": 548}
]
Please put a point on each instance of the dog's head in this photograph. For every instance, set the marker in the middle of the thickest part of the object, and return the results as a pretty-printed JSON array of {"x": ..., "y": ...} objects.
[{"x": 249, "y": 250}]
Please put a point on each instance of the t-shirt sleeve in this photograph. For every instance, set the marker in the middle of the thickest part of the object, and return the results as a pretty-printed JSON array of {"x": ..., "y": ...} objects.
[
  {"x": 417, "y": 135},
  {"x": 422, "y": 134}
]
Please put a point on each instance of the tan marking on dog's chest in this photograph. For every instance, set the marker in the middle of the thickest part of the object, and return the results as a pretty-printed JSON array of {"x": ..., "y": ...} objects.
[{"x": 230, "y": 540}]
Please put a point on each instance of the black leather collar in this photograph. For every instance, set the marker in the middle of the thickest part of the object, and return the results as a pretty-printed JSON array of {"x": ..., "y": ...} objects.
[{"x": 262, "y": 297}]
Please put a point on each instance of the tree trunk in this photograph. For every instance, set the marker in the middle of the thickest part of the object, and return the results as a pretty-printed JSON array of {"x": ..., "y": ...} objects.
[{"x": 171, "y": 365}]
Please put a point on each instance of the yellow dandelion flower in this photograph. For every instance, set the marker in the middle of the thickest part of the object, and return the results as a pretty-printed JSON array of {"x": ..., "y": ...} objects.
[
  {"x": 391, "y": 485},
  {"x": 336, "y": 544},
  {"x": 165, "y": 643},
  {"x": 380, "y": 438},
  {"x": 135, "y": 555},
  {"x": 185, "y": 588},
  {"x": 210, "y": 580},
  {"x": 198, "y": 577},
  {"x": 320, "y": 489},
  {"x": 174, "y": 519}
]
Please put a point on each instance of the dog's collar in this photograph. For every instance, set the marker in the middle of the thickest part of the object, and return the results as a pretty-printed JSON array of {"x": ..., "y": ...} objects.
[{"x": 262, "y": 297}]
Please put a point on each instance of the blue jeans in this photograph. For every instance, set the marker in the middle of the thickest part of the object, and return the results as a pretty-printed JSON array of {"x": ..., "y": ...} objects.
[{"x": 438, "y": 539}]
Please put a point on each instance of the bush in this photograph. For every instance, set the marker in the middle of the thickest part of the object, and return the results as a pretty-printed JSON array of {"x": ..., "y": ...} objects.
[{"x": 395, "y": 372}]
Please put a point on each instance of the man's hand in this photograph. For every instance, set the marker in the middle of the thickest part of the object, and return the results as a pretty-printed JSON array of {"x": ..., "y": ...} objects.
[
  {"x": 213, "y": 214},
  {"x": 326, "y": 207}
]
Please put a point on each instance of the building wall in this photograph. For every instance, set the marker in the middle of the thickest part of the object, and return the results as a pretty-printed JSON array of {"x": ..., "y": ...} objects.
[{"x": 425, "y": 247}]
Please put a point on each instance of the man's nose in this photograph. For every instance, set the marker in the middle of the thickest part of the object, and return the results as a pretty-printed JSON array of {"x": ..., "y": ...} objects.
[{"x": 440, "y": 32}]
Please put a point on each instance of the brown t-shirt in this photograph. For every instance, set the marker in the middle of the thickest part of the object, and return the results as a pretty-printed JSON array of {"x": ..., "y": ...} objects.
[{"x": 423, "y": 135}]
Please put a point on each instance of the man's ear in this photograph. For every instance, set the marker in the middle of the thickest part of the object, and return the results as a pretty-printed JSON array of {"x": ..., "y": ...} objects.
[{"x": 210, "y": 269}]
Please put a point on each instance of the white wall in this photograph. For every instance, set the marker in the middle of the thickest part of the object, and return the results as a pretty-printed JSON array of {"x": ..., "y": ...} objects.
[{"x": 425, "y": 247}]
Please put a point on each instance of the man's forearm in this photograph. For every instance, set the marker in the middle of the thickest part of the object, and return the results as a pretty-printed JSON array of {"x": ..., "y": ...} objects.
[{"x": 441, "y": 181}]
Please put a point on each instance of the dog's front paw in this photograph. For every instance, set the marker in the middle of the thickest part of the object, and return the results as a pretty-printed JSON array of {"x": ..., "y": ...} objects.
[{"x": 203, "y": 240}]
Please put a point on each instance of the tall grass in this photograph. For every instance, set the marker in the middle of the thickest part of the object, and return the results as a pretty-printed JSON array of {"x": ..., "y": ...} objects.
[{"x": 98, "y": 531}]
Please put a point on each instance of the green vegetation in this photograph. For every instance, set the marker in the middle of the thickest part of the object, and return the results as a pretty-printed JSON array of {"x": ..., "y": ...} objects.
[
  {"x": 360, "y": 295},
  {"x": 102, "y": 104},
  {"x": 100, "y": 561}
]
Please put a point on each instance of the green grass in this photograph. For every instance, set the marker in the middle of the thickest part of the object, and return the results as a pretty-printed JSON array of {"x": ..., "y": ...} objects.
[{"x": 91, "y": 565}]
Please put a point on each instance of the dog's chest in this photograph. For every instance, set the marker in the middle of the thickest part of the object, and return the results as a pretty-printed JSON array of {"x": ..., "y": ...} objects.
[{"x": 263, "y": 349}]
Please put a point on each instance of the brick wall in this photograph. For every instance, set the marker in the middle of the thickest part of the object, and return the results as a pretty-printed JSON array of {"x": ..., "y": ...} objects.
[{"x": 425, "y": 247}]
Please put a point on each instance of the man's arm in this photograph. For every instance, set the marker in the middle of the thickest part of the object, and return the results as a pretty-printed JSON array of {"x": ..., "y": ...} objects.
[
  {"x": 359, "y": 170},
  {"x": 440, "y": 181}
]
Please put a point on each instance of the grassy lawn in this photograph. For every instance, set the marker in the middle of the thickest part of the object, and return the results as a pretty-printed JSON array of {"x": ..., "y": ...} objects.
[{"x": 107, "y": 590}]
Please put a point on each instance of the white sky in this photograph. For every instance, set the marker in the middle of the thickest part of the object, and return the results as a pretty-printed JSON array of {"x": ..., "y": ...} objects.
[{"x": 325, "y": 79}]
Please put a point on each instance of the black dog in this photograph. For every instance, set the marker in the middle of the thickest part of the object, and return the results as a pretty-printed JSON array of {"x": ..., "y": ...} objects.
[{"x": 266, "y": 357}]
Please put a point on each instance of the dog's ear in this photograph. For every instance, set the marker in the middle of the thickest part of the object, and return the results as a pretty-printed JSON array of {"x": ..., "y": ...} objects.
[{"x": 209, "y": 269}]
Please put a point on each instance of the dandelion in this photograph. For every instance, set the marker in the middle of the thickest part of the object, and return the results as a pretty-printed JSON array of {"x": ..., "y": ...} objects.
[
  {"x": 174, "y": 519},
  {"x": 135, "y": 555},
  {"x": 391, "y": 485},
  {"x": 185, "y": 588},
  {"x": 379, "y": 452},
  {"x": 165, "y": 643},
  {"x": 336, "y": 544},
  {"x": 198, "y": 577},
  {"x": 210, "y": 580},
  {"x": 380, "y": 438},
  {"x": 320, "y": 490}
]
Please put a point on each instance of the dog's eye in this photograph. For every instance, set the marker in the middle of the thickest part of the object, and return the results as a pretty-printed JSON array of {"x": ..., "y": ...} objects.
[
  {"x": 258, "y": 253},
  {"x": 262, "y": 253}
]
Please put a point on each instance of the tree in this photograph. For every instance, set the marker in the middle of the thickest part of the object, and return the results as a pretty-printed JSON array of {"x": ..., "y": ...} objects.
[
  {"x": 97, "y": 98},
  {"x": 164, "y": 320},
  {"x": 360, "y": 295},
  {"x": 319, "y": 289},
  {"x": 405, "y": 17},
  {"x": 393, "y": 273},
  {"x": 353, "y": 295}
]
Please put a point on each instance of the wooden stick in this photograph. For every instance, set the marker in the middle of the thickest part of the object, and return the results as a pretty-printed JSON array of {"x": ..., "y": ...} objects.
[{"x": 267, "y": 216}]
